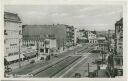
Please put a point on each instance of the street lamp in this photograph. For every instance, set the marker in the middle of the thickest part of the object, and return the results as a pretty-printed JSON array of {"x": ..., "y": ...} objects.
[
  {"x": 19, "y": 53},
  {"x": 88, "y": 70}
]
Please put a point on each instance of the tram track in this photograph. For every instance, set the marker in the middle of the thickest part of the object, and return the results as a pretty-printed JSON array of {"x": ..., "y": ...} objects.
[{"x": 57, "y": 67}]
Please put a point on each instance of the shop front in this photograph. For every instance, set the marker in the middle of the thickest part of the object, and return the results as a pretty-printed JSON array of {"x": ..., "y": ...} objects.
[{"x": 14, "y": 58}]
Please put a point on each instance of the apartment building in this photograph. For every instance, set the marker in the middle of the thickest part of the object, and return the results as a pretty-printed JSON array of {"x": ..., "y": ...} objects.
[{"x": 12, "y": 37}]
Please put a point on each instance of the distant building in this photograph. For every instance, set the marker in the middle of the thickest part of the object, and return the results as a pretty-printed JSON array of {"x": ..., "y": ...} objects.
[
  {"x": 119, "y": 37},
  {"x": 92, "y": 38},
  {"x": 63, "y": 36},
  {"x": 102, "y": 44},
  {"x": 12, "y": 36},
  {"x": 118, "y": 57},
  {"x": 111, "y": 40},
  {"x": 115, "y": 59},
  {"x": 82, "y": 36},
  {"x": 70, "y": 35}
]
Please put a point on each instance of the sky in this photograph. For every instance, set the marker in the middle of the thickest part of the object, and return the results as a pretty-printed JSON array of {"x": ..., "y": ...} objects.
[{"x": 89, "y": 17}]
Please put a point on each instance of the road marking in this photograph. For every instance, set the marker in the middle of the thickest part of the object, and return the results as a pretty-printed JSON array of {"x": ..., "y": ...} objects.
[{"x": 73, "y": 66}]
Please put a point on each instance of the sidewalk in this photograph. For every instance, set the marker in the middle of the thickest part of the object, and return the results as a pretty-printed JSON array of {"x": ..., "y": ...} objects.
[
  {"x": 23, "y": 63},
  {"x": 102, "y": 74}
]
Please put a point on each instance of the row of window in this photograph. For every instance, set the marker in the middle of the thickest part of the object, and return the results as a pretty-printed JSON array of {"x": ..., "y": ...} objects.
[
  {"x": 5, "y": 32},
  {"x": 92, "y": 41},
  {"x": 12, "y": 48},
  {"x": 15, "y": 53},
  {"x": 92, "y": 35}
]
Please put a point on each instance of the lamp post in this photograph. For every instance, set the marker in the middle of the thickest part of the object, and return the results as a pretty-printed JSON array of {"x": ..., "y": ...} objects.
[
  {"x": 37, "y": 49},
  {"x": 88, "y": 69},
  {"x": 19, "y": 53}
]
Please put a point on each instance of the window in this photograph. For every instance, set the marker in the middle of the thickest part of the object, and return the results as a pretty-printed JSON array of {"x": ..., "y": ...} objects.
[
  {"x": 46, "y": 50},
  {"x": 4, "y": 41},
  {"x": 20, "y": 33},
  {"x": 16, "y": 53},
  {"x": 41, "y": 50},
  {"x": 5, "y": 32},
  {"x": 13, "y": 44},
  {"x": 118, "y": 61},
  {"x": 120, "y": 47},
  {"x": 10, "y": 54}
]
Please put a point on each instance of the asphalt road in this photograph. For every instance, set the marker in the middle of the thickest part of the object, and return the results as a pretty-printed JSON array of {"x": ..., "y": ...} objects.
[
  {"x": 83, "y": 50},
  {"x": 82, "y": 67},
  {"x": 32, "y": 67}
]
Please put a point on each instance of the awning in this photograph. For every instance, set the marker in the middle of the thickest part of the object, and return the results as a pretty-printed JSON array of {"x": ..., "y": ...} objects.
[
  {"x": 29, "y": 54},
  {"x": 13, "y": 57}
]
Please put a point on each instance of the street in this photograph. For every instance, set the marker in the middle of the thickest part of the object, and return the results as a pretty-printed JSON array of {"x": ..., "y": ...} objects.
[
  {"x": 63, "y": 41},
  {"x": 34, "y": 68}
]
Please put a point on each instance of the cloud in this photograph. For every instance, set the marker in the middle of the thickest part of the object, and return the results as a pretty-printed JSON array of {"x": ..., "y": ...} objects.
[
  {"x": 84, "y": 15},
  {"x": 79, "y": 16},
  {"x": 59, "y": 14},
  {"x": 108, "y": 14},
  {"x": 89, "y": 8}
]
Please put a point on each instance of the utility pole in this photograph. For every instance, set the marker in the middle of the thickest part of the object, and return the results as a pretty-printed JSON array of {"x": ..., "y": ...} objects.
[
  {"x": 19, "y": 53},
  {"x": 37, "y": 49},
  {"x": 97, "y": 69},
  {"x": 88, "y": 69},
  {"x": 102, "y": 58},
  {"x": 63, "y": 44}
]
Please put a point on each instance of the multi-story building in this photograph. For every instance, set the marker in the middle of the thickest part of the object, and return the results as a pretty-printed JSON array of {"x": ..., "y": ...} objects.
[
  {"x": 118, "y": 57},
  {"x": 70, "y": 34},
  {"x": 92, "y": 38},
  {"x": 12, "y": 37},
  {"x": 115, "y": 60},
  {"x": 82, "y": 36},
  {"x": 60, "y": 34},
  {"x": 111, "y": 40},
  {"x": 102, "y": 44},
  {"x": 119, "y": 37}
]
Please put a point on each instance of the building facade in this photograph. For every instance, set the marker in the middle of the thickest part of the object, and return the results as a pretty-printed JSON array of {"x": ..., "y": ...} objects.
[
  {"x": 115, "y": 59},
  {"x": 12, "y": 36},
  {"x": 118, "y": 57},
  {"x": 111, "y": 40},
  {"x": 119, "y": 37},
  {"x": 70, "y": 35},
  {"x": 92, "y": 38},
  {"x": 82, "y": 36},
  {"x": 59, "y": 36},
  {"x": 102, "y": 44}
]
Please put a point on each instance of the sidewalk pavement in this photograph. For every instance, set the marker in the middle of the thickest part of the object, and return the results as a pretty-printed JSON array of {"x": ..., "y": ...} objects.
[
  {"x": 23, "y": 63},
  {"x": 102, "y": 74}
]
